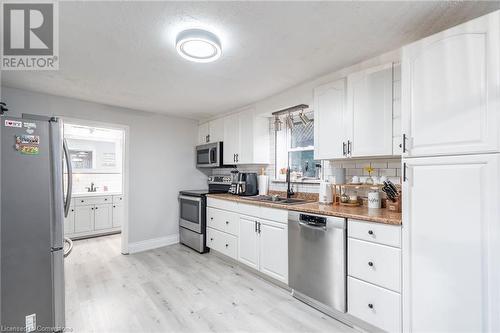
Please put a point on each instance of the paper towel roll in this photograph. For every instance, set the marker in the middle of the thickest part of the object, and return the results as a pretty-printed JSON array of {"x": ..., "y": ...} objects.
[{"x": 263, "y": 184}]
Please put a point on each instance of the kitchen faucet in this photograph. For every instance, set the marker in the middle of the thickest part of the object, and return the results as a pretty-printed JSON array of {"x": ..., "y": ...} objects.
[
  {"x": 92, "y": 188},
  {"x": 289, "y": 191}
]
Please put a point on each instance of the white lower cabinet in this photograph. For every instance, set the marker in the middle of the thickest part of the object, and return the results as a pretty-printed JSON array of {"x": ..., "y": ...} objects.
[
  {"x": 451, "y": 244},
  {"x": 375, "y": 305},
  {"x": 263, "y": 245},
  {"x": 103, "y": 218},
  {"x": 273, "y": 249},
  {"x": 249, "y": 242},
  {"x": 84, "y": 218},
  {"x": 69, "y": 221},
  {"x": 222, "y": 242},
  {"x": 374, "y": 274},
  {"x": 89, "y": 216},
  {"x": 118, "y": 212},
  {"x": 255, "y": 236}
]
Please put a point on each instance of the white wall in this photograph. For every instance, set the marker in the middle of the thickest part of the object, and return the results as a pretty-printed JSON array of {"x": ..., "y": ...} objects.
[{"x": 162, "y": 159}]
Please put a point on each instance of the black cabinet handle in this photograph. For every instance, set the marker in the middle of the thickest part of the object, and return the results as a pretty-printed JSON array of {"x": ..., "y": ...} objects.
[
  {"x": 96, "y": 207},
  {"x": 72, "y": 210},
  {"x": 227, "y": 222},
  {"x": 82, "y": 201},
  {"x": 211, "y": 239},
  {"x": 105, "y": 199},
  {"x": 404, "y": 143},
  {"x": 370, "y": 263},
  {"x": 227, "y": 245},
  {"x": 212, "y": 218},
  {"x": 370, "y": 306},
  {"x": 370, "y": 232},
  {"x": 349, "y": 149},
  {"x": 343, "y": 148},
  {"x": 114, "y": 206}
]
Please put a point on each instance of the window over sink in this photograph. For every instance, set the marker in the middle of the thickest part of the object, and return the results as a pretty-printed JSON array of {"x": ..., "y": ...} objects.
[{"x": 294, "y": 146}]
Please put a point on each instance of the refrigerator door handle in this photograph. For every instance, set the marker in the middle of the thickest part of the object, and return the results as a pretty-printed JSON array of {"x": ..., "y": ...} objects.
[{"x": 70, "y": 178}]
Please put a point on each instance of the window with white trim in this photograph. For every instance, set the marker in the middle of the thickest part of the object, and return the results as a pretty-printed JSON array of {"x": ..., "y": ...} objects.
[{"x": 295, "y": 147}]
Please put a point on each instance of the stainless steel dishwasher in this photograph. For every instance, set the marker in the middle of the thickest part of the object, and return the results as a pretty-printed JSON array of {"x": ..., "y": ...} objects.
[{"x": 317, "y": 260}]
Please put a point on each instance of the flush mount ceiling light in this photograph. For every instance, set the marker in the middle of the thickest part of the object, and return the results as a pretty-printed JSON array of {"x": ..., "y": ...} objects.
[{"x": 198, "y": 45}]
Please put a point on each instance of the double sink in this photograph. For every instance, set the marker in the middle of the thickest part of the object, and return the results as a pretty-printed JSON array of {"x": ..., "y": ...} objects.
[{"x": 276, "y": 199}]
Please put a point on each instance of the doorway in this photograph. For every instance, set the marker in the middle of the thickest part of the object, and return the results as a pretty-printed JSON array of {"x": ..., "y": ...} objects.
[{"x": 99, "y": 182}]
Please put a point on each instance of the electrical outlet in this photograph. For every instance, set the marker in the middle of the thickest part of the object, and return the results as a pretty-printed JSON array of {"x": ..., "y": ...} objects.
[{"x": 31, "y": 322}]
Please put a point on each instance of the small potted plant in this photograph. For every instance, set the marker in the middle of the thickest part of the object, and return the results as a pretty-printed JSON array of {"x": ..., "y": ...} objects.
[{"x": 369, "y": 180}]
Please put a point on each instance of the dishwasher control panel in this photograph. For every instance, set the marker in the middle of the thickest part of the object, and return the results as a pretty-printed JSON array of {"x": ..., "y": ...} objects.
[{"x": 313, "y": 219}]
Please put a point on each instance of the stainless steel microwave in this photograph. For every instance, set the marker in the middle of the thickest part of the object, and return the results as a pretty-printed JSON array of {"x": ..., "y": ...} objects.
[{"x": 209, "y": 155}]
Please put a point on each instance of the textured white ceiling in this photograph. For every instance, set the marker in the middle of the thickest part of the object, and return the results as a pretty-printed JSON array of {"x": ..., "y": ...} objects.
[{"x": 122, "y": 53}]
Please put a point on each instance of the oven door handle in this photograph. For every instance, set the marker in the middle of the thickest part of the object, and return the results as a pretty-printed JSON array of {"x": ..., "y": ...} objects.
[{"x": 185, "y": 197}]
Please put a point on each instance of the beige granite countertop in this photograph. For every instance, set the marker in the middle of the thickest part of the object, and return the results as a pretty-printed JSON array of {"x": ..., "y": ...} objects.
[{"x": 382, "y": 215}]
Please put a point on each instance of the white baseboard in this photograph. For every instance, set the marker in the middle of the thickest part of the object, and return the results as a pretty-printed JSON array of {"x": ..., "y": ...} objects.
[{"x": 154, "y": 243}]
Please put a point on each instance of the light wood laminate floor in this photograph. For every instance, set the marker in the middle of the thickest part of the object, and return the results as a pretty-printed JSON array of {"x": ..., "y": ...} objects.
[{"x": 174, "y": 289}]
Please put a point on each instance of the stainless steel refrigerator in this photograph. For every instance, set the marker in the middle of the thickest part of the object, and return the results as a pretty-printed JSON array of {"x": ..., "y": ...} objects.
[{"x": 33, "y": 208}]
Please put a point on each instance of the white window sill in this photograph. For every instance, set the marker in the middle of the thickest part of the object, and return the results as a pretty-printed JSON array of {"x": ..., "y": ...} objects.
[{"x": 305, "y": 181}]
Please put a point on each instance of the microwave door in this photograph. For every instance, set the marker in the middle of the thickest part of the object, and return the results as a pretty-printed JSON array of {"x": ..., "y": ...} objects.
[{"x": 203, "y": 157}]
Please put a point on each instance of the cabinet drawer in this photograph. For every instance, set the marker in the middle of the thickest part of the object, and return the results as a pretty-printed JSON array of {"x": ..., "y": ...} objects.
[
  {"x": 250, "y": 210},
  {"x": 222, "y": 204},
  {"x": 274, "y": 214},
  {"x": 222, "y": 220},
  {"x": 117, "y": 199},
  {"x": 377, "y": 306},
  {"x": 375, "y": 232},
  {"x": 222, "y": 242},
  {"x": 374, "y": 263},
  {"x": 83, "y": 201}
]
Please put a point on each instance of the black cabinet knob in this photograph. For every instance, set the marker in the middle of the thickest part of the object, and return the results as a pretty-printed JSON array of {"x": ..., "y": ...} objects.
[
  {"x": 370, "y": 306},
  {"x": 227, "y": 222},
  {"x": 96, "y": 207},
  {"x": 211, "y": 239},
  {"x": 370, "y": 232},
  {"x": 212, "y": 218},
  {"x": 227, "y": 245},
  {"x": 370, "y": 263},
  {"x": 82, "y": 201}
]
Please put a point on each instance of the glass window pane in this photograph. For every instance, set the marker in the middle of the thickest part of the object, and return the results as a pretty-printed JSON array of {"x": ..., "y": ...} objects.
[
  {"x": 303, "y": 162},
  {"x": 302, "y": 135}
]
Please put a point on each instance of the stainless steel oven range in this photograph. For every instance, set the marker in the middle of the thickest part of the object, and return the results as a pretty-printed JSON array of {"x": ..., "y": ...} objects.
[{"x": 192, "y": 212}]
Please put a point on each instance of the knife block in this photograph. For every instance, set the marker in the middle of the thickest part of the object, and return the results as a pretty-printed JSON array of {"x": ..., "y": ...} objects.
[{"x": 394, "y": 206}]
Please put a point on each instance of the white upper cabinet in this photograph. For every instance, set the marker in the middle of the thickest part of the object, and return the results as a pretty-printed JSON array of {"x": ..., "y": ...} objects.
[
  {"x": 203, "y": 132},
  {"x": 231, "y": 139},
  {"x": 451, "y": 90},
  {"x": 246, "y": 138},
  {"x": 368, "y": 120},
  {"x": 216, "y": 130},
  {"x": 329, "y": 108},
  {"x": 212, "y": 131},
  {"x": 451, "y": 244}
]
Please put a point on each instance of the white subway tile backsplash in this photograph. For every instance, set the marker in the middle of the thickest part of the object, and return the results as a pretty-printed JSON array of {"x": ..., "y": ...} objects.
[
  {"x": 379, "y": 165},
  {"x": 387, "y": 172},
  {"x": 394, "y": 164}
]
